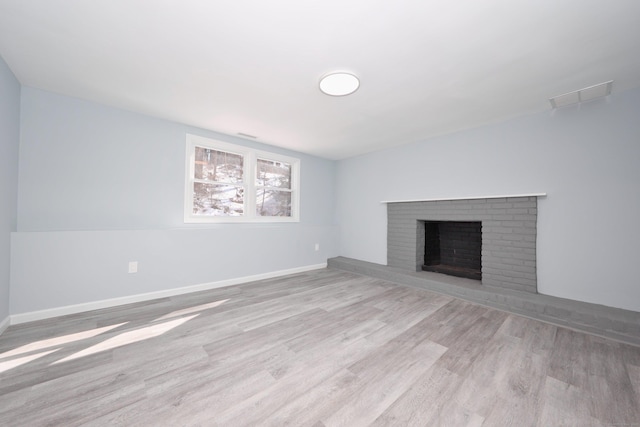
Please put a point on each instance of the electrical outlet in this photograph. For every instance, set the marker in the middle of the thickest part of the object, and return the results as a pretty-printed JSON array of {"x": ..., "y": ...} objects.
[
  {"x": 317, "y": 246},
  {"x": 133, "y": 266}
]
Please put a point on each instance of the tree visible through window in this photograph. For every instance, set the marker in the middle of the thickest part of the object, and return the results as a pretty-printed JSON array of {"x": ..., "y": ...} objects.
[
  {"x": 273, "y": 185},
  {"x": 218, "y": 183},
  {"x": 228, "y": 182}
]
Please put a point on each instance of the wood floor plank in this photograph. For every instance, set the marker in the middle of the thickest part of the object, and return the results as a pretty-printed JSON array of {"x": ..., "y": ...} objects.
[
  {"x": 566, "y": 405},
  {"x": 614, "y": 400},
  {"x": 431, "y": 401},
  {"x": 320, "y": 348},
  {"x": 340, "y": 350},
  {"x": 384, "y": 380},
  {"x": 634, "y": 377},
  {"x": 569, "y": 358},
  {"x": 260, "y": 406},
  {"x": 316, "y": 403}
]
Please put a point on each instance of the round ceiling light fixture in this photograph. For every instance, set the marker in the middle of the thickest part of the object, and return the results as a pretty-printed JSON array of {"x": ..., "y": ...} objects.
[{"x": 339, "y": 84}]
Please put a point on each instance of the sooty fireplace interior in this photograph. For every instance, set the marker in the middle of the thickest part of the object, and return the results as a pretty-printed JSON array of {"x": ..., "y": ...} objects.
[{"x": 454, "y": 248}]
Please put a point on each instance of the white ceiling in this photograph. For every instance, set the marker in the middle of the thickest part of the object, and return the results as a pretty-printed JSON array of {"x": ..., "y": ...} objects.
[{"x": 427, "y": 67}]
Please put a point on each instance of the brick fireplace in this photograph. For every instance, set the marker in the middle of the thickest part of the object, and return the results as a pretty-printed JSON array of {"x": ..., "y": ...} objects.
[
  {"x": 508, "y": 263},
  {"x": 508, "y": 236}
]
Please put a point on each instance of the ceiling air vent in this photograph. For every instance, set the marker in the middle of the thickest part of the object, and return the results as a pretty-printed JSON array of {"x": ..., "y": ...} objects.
[
  {"x": 582, "y": 95},
  {"x": 246, "y": 135}
]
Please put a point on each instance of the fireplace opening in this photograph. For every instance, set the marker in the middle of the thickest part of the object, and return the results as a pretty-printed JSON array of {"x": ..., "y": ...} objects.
[{"x": 453, "y": 248}]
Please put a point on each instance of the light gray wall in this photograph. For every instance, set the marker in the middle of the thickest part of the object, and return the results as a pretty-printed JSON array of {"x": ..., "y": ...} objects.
[
  {"x": 86, "y": 166},
  {"x": 587, "y": 159},
  {"x": 101, "y": 186},
  {"x": 9, "y": 143}
]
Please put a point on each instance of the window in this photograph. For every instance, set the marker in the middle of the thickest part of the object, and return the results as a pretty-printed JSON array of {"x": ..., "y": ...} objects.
[{"x": 232, "y": 183}]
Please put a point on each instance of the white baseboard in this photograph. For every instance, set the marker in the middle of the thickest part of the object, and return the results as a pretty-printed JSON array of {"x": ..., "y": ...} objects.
[
  {"x": 5, "y": 324},
  {"x": 15, "y": 319}
]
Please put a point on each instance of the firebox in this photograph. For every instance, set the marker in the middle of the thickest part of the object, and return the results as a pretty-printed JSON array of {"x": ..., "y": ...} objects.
[{"x": 454, "y": 248}]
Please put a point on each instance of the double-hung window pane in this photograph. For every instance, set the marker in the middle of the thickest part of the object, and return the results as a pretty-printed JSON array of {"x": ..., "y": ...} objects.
[
  {"x": 273, "y": 188},
  {"x": 218, "y": 188},
  {"x": 229, "y": 183}
]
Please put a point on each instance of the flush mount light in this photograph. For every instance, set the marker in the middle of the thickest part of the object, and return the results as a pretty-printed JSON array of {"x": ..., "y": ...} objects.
[
  {"x": 339, "y": 84},
  {"x": 583, "y": 95}
]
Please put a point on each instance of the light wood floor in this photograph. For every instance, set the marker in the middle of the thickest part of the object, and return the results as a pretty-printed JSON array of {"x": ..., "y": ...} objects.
[{"x": 323, "y": 348}]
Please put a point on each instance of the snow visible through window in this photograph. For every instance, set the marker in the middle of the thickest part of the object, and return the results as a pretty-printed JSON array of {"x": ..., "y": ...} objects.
[
  {"x": 226, "y": 182},
  {"x": 273, "y": 182},
  {"x": 222, "y": 192}
]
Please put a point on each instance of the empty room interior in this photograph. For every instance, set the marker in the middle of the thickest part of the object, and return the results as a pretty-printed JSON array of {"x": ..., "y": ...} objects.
[{"x": 413, "y": 213}]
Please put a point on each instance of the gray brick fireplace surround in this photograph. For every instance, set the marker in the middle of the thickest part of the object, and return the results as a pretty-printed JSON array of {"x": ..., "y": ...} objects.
[
  {"x": 508, "y": 236},
  {"x": 509, "y": 280}
]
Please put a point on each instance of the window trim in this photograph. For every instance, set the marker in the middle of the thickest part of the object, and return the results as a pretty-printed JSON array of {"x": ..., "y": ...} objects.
[{"x": 250, "y": 164}]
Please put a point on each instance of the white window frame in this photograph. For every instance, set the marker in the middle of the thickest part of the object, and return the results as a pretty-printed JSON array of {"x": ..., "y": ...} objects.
[{"x": 250, "y": 163}]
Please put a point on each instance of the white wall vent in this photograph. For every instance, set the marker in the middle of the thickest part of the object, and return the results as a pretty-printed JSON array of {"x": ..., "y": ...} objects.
[{"x": 582, "y": 95}]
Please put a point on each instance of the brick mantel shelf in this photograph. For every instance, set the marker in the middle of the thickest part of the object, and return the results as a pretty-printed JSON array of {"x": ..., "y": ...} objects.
[{"x": 466, "y": 198}]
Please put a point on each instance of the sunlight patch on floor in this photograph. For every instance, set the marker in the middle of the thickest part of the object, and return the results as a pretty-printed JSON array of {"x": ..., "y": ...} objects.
[
  {"x": 51, "y": 342},
  {"x": 10, "y": 364},
  {"x": 192, "y": 309},
  {"x": 118, "y": 340},
  {"x": 128, "y": 338}
]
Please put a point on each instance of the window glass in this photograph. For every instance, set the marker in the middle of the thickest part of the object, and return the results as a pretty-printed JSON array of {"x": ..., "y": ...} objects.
[
  {"x": 218, "y": 200},
  {"x": 219, "y": 166},
  {"x": 273, "y": 202},
  {"x": 232, "y": 183},
  {"x": 272, "y": 173}
]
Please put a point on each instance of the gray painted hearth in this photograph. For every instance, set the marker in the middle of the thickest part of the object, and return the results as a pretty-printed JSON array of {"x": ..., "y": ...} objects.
[
  {"x": 621, "y": 325},
  {"x": 509, "y": 280}
]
